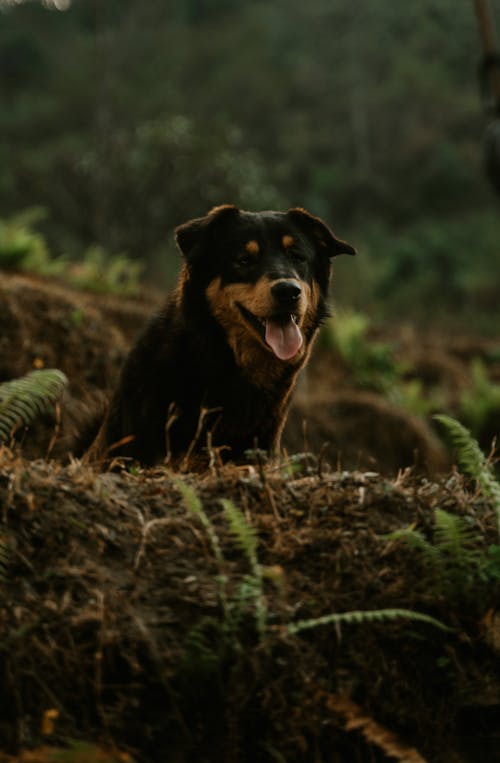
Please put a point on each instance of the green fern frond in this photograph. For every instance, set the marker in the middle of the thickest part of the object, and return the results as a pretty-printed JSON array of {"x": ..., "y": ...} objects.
[
  {"x": 416, "y": 539},
  {"x": 195, "y": 507},
  {"x": 204, "y": 646},
  {"x": 472, "y": 460},
  {"x": 23, "y": 400},
  {"x": 470, "y": 456},
  {"x": 248, "y": 595},
  {"x": 358, "y": 617},
  {"x": 246, "y": 538},
  {"x": 454, "y": 555},
  {"x": 481, "y": 399},
  {"x": 453, "y": 535},
  {"x": 244, "y": 533}
]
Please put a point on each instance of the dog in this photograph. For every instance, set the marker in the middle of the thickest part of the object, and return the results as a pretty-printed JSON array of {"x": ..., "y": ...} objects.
[{"x": 221, "y": 359}]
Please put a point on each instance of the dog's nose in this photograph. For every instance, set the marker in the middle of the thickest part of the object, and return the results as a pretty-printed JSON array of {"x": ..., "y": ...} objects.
[{"x": 286, "y": 292}]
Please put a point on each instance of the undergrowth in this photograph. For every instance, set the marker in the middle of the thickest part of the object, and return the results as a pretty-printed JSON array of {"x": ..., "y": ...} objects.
[
  {"x": 472, "y": 461},
  {"x": 23, "y": 248},
  {"x": 25, "y": 399},
  {"x": 250, "y": 593},
  {"x": 373, "y": 364},
  {"x": 481, "y": 400},
  {"x": 457, "y": 565}
]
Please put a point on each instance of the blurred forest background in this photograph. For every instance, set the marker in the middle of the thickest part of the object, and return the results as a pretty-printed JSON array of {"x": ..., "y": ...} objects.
[{"x": 123, "y": 118}]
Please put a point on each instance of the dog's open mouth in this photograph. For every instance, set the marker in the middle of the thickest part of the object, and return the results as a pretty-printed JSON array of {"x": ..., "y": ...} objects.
[{"x": 280, "y": 332}]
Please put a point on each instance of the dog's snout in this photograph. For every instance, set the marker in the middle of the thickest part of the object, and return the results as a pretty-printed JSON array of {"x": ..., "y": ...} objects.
[{"x": 286, "y": 292}]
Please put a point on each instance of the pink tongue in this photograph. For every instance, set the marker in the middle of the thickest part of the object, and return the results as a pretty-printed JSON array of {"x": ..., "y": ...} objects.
[{"x": 284, "y": 340}]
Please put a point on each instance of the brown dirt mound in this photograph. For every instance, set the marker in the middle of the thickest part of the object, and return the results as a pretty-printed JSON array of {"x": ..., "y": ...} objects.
[
  {"x": 44, "y": 325},
  {"x": 362, "y": 430},
  {"x": 124, "y": 623},
  {"x": 87, "y": 336}
]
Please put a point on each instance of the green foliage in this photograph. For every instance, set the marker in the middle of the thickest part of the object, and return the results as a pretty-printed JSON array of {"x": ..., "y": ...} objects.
[
  {"x": 457, "y": 564},
  {"x": 252, "y": 585},
  {"x": 455, "y": 560},
  {"x": 23, "y": 248},
  {"x": 492, "y": 567},
  {"x": 195, "y": 507},
  {"x": 472, "y": 460},
  {"x": 409, "y": 394},
  {"x": 399, "y": 172},
  {"x": 244, "y": 534},
  {"x": 23, "y": 400},
  {"x": 480, "y": 400},
  {"x": 209, "y": 641},
  {"x": 361, "y": 617},
  {"x": 371, "y": 362},
  {"x": 436, "y": 266},
  {"x": 249, "y": 593},
  {"x": 106, "y": 273}
]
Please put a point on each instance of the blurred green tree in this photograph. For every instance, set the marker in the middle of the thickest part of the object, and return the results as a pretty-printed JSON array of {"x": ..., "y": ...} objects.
[{"x": 125, "y": 118}]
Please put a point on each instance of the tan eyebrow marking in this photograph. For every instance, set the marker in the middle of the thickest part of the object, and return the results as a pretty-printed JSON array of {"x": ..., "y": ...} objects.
[
  {"x": 252, "y": 247},
  {"x": 288, "y": 241}
]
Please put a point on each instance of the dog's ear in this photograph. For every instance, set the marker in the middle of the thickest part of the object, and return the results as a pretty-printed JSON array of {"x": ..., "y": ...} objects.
[
  {"x": 320, "y": 233},
  {"x": 189, "y": 235}
]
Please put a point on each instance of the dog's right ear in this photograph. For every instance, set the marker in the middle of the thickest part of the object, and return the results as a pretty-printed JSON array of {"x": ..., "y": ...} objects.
[{"x": 191, "y": 234}]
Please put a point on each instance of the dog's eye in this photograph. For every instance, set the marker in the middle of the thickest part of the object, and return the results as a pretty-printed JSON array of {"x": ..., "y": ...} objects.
[
  {"x": 297, "y": 254},
  {"x": 244, "y": 260}
]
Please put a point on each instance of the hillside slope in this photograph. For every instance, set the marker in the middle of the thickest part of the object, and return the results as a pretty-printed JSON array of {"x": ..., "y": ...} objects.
[
  {"x": 143, "y": 618},
  {"x": 122, "y": 616}
]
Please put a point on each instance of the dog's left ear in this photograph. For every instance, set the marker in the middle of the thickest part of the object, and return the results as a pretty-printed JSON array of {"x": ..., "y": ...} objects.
[
  {"x": 320, "y": 233},
  {"x": 191, "y": 234}
]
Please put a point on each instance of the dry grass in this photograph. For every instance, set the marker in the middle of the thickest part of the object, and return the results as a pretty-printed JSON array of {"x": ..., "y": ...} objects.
[{"x": 111, "y": 614}]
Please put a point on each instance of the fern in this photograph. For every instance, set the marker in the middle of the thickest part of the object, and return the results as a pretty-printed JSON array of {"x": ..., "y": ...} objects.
[
  {"x": 23, "y": 400},
  {"x": 372, "y": 363},
  {"x": 456, "y": 562},
  {"x": 250, "y": 589},
  {"x": 416, "y": 539},
  {"x": 244, "y": 533},
  {"x": 481, "y": 400},
  {"x": 204, "y": 647},
  {"x": 246, "y": 538},
  {"x": 454, "y": 536},
  {"x": 195, "y": 507},
  {"x": 357, "y": 617},
  {"x": 472, "y": 460}
]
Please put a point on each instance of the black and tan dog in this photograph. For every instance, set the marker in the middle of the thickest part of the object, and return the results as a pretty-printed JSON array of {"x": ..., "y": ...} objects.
[{"x": 224, "y": 354}]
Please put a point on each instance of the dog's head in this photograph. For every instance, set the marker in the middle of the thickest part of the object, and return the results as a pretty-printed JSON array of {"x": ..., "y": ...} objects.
[{"x": 264, "y": 275}]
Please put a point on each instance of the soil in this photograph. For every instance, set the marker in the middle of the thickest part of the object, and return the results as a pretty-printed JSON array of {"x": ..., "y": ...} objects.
[{"x": 136, "y": 625}]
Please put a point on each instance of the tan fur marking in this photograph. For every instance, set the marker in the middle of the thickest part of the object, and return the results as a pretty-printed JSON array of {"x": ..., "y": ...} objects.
[
  {"x": 250, "y": 352},
  {"x": 252, "y": 247},
  {"x": 288, "y": 241},
  {"x": 313, "y": 296}
]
